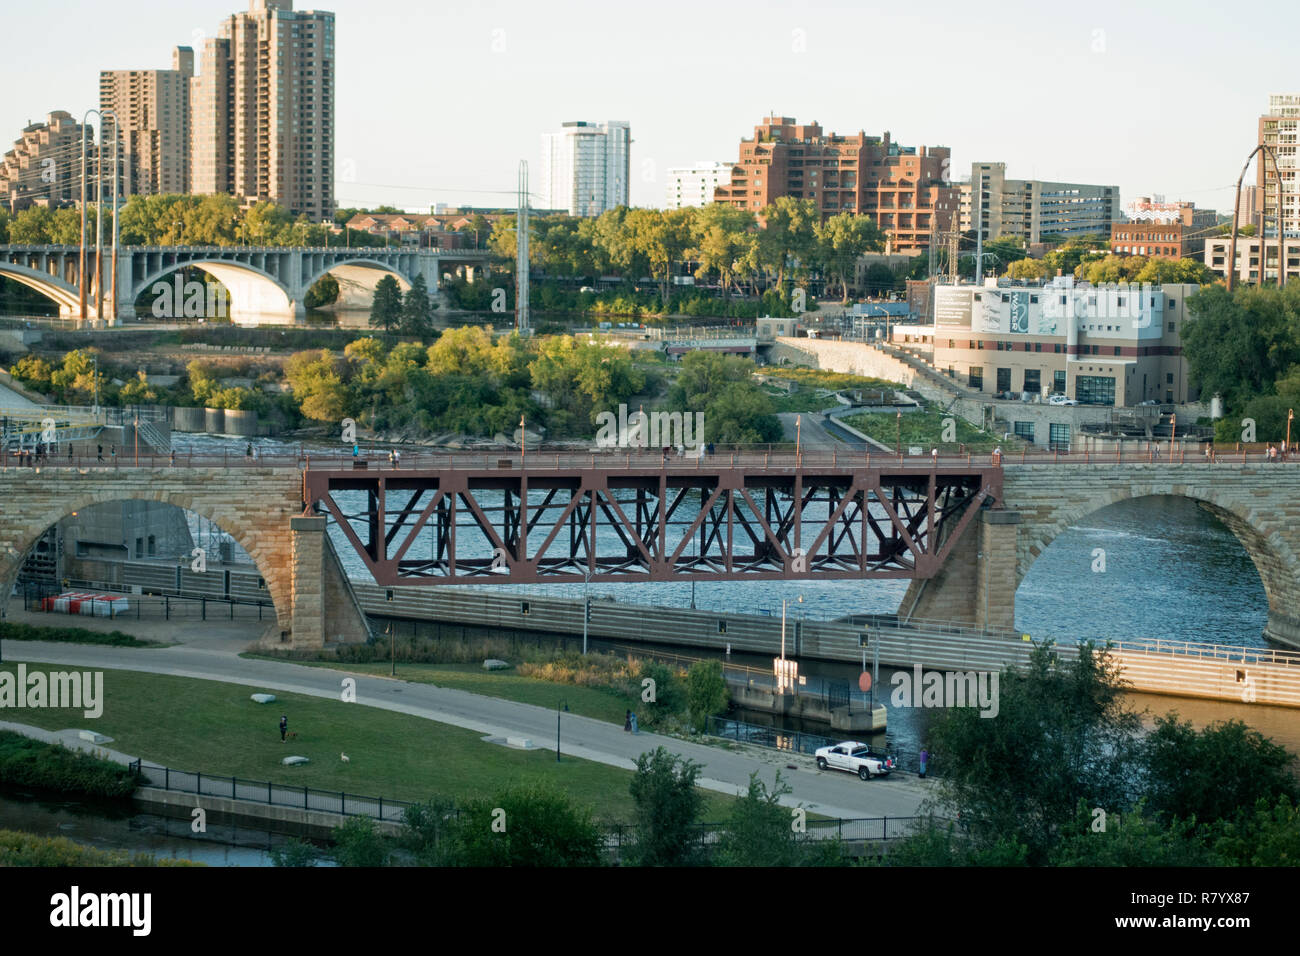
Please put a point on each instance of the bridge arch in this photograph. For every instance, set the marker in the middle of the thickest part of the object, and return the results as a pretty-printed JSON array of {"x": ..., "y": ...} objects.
[
  {"x": 1259, "y": 534},
  {"x": 357, "y": 279},
  {"x": 253, "y": 291},
  {"x": 22, "y": 532},
  {"x": 64, "y": 294}
]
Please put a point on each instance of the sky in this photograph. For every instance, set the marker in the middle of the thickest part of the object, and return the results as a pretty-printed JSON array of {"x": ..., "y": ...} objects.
[{"x": 438, "y": 101}]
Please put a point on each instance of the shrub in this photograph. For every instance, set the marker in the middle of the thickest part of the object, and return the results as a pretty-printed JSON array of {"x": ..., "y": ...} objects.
[
  {"x": 70, "y": 635},
  {"x": 33, "y": 763}
]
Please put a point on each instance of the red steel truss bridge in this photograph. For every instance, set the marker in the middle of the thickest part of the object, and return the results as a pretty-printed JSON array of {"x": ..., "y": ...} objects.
[{"x": 553, "y": 518}]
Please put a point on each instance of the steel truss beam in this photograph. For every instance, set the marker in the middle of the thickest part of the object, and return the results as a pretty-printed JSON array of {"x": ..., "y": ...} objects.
[{"x": 641, "y": 524}]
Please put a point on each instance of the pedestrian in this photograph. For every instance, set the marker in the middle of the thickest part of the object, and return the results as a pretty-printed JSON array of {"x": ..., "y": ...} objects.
[
  {"x": 397, "y": 458},
  {"x": 284, "y": 727},
  {"x": 925, "y": 757},
  {"x": 934, "y": 455},
  {"x": 356, "y": 450},
  {"x": 172, "y": 457},
  {"x": 248, "y": 451},
  {"x": 627, "y": 722},
  {"x": 112, "y": 452},
  {"x": 69, "y": 451},
  {"x": 99, "y": 453},
  {"x": 634, "y": 727},
  {"x": 391, "y": 459}
]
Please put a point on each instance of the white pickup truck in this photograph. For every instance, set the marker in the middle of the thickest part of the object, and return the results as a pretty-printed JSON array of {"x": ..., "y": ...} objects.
[{"x": 856, "y": 758}]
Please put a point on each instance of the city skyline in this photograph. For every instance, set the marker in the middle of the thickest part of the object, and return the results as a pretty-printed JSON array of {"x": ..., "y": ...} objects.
[{"x": 1128, "y": 92}]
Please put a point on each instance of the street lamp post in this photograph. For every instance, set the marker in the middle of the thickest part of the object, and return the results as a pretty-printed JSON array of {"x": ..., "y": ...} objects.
[
  {"x": 1286, "y": 449},
  {"x": 898, "y": 433},
  {"x": 1173, "y": 435},
  {"x": 798, "y": 439},
  {"x": 523, "y": 443}
]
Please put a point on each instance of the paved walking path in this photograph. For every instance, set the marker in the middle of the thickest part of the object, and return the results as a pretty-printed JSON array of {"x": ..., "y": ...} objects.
[{"x": 833, "y": 794}]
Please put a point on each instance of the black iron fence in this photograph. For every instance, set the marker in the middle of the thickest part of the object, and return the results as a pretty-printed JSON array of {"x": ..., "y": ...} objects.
[
  {"x": 271, "y": 794},
  {"x": 619, "y": 837}
]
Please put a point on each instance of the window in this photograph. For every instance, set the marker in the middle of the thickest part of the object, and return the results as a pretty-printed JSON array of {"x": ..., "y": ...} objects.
[
  {"x": 1169, "y": 378},
  {"x": 1004, "y": 380},
  {"x": 1058, "y": 436},
  {"x": 1058, "y": 381},
  {"x": 1033, "y": 380},
  {"x": 1119, "y": 350},
  {"x": 523, "y": 608},
  {"x": 1171, "y": 326},
  {"x": 1095, "y": 390},
  {"x": 975, "y": 378},
  {"x": 722, "y": 627},
  {"x": 1024, "y": 430}
]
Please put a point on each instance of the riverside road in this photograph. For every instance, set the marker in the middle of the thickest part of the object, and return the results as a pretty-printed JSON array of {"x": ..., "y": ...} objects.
[{"x": 833, "y": 794}]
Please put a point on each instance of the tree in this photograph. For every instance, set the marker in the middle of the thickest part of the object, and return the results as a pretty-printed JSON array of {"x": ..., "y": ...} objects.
[
  {"x": 706, "y": 692},
  {"x": 358, "y": 843},
  {"x": 324, "y": 291},
  {"x": 722, "y": 388},
  {"x": 760, "y": 831},
  {"x": 417, "y": 314},
  {"x": 1185, "y": 769},
  {"x": 1130, "y": 840},
  {"x": 667, "y": 807},
  {"x": 386, "y": 309},
  {"x": 841, "y": 240},
  {"x": 1239, "y": 343},
  {"x": 527, "y": 825},
  {"x": 786, "y": 240},
  {"x": 1063, "y": 733},
  {"x": 316, "y": 381},
  {"x": 724, "y": 242},
  {"x": 1268, "y": 836},
  {"x": 31, "y": 226},
  {"x": 1027, "y": 269},
  {"x": 77, "y": 381}
]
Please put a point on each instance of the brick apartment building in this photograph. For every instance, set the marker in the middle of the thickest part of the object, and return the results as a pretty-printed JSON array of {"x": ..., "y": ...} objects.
[
  {"x": 904, "y": 188},
  {"x": 1163, "y": 230}
]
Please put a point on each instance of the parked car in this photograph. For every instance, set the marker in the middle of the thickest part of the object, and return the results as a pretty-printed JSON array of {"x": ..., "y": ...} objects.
[
  {"x": 856, "y": 758},
  {"x": 1061, "y": 400}
]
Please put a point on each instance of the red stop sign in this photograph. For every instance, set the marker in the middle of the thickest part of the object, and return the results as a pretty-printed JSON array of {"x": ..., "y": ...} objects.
[{"x": 864, "y": 682}]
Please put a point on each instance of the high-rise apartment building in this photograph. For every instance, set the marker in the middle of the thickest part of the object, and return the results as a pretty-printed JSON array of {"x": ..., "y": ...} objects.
[
  {"x": 904, "y": 188},
  {"x": 262, "y": 109},
  {"x": 1278, "y": 131},
  {"x": 44, "y": 166},
  {"x": 585, "y": 167},
  {"x": 153, "y": 110},
  {"x": 1031, "y": 209},
  {"x": 696, "y": 185}
]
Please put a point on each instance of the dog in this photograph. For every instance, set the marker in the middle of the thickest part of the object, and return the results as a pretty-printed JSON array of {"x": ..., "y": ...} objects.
[
  {"x": 344, "y": 758},
  {"x": 291, "y": 735}
]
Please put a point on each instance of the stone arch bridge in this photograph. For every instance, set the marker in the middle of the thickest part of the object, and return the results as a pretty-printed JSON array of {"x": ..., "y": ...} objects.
[
  {"x": 264, "y": 282},
  {"x": 966, "y": 569}
]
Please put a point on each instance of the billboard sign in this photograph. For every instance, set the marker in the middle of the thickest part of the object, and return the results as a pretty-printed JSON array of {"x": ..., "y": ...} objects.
[{"x": 952, "y": 307}]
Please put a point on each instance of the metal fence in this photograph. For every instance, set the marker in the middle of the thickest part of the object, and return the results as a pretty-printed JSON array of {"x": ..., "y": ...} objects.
[
  {"x": 618, "y": 836},
  {"x": 272, "y": 794}
]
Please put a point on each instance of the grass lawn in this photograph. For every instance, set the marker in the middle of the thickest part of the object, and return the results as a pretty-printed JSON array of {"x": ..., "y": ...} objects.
[
  {"x": 215, "y": 728},
  {"x": 924, "y": 428},
  {"x": 600, "y": 703}
]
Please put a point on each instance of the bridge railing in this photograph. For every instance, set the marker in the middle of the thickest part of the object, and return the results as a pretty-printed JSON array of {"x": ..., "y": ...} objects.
[{"x": 769, "y": 456}]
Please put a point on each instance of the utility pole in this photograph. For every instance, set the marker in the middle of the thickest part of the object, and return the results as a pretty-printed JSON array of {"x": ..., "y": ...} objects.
[{"x": 521, "y": 256}]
